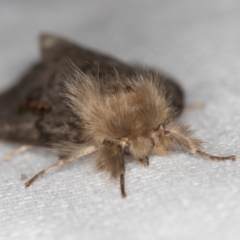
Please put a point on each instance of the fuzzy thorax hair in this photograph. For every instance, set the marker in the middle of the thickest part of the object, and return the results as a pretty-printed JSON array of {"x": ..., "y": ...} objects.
[{"x": 127, "y": 117}]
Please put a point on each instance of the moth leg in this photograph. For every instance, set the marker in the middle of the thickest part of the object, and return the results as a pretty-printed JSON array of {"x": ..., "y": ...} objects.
[
  {"x": 111, "y": 159},
  {"x": 16, "y": 152},
  {"x": 196, "y": 106},
  {"x": 44, "y": 171},
  {"x": 61, "y": 162},
  {"x": 122, "y": 185},
  {"x": 210, "y": 157},
  {"x": 194, "y": 145}
]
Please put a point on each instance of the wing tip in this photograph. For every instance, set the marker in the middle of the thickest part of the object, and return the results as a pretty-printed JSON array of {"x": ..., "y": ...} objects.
[{"x": 48, "y": 41}]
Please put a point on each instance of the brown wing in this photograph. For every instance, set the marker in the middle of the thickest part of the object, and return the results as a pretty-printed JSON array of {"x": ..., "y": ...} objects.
[{"x": 34, "y": 111}]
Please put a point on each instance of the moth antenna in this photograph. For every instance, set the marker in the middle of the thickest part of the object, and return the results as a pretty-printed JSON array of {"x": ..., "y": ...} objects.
[
  {"x": 211, "y": 157},
  {"x": 122, "y": 186},
  {"x": 61, "y": 162}
]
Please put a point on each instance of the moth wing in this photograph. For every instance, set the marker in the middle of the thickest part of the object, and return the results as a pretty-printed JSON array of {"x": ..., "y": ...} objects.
[
  {"x": 55, "y": 49},
  {"x": 34, "y": 111}
]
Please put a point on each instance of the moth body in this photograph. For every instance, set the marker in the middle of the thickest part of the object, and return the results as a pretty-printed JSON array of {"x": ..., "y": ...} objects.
[{"x": 77, "y": 102}]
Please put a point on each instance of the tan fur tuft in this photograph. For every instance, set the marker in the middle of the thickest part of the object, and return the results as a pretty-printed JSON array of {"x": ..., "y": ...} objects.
[
  {"x": 122, "y": 113},
  {"x": 111, "y": 159}
]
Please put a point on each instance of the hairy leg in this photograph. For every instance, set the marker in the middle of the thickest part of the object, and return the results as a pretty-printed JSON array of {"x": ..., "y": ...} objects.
[{"x": 61, "y": 162}]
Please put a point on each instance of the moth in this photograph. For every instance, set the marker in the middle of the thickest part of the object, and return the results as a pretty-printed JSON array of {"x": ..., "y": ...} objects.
[{"x": 78, "y": 102}]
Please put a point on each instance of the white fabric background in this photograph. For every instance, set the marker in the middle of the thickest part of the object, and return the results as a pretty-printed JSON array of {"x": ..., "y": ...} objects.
[{"x": 179, "y": 196}]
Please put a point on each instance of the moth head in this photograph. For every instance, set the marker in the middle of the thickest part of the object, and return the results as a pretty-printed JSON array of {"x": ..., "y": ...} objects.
[
  {"x": 159, "y": 141},
  {"x": 139, "y": 147}
]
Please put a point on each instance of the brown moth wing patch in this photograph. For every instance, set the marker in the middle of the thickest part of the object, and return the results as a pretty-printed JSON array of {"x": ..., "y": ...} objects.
[{"x": 35, "y": 112}]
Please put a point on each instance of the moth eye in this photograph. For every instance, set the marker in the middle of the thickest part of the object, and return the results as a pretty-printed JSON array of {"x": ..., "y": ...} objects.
[{"x": 126, "y": 150}]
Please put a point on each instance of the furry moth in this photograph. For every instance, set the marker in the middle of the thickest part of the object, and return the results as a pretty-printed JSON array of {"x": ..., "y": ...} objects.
[{"x": 78, "y": 102}]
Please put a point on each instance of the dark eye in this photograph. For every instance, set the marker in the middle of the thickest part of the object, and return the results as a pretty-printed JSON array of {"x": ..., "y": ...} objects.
[{"x": 126, "y": 150}]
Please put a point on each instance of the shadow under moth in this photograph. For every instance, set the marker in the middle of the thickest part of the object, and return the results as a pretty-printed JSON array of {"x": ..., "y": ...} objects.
[{"x": 79, "y": 102}]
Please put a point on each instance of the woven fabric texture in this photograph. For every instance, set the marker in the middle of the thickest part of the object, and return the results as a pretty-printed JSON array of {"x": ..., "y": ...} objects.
[{"x": 179, "y": 196}]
